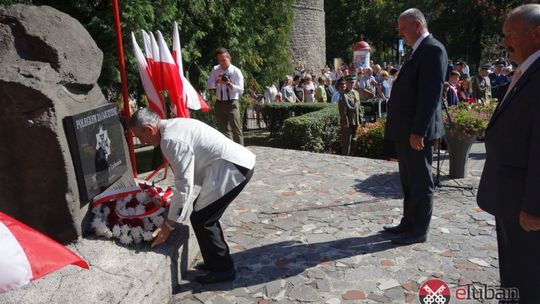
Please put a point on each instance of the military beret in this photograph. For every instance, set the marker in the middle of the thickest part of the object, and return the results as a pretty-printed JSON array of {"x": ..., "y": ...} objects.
[
  {"x": 350, "y": 78},
  {"x": 340, "y": 81},
  {"x": 485, "y": 67}
]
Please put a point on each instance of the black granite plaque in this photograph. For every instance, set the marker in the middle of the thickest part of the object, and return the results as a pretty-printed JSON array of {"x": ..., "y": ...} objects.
[{"x": 96, "y": 143}]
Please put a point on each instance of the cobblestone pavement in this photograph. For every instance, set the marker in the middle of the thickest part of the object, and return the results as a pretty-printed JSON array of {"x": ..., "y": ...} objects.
[{"x": 306, "y": 230}]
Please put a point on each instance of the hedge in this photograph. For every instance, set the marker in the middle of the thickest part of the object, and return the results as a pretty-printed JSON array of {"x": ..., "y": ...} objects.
[
  {"x": 315, "y": 131},
  {"x": 275, "y": 114},
  {"x": 319, "y": 131}
]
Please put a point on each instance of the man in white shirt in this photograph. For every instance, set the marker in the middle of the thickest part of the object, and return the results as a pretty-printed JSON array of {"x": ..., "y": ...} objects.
[
  {"x": 228, "y": 82},
  {"x": 199, "y": 155}
]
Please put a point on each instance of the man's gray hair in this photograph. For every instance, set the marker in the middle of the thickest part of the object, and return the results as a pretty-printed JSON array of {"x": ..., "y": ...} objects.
[
  {"x": 414, "y": 14},
  {"x": 530, "y": 13},
  {"x": 143, "y": 117}
]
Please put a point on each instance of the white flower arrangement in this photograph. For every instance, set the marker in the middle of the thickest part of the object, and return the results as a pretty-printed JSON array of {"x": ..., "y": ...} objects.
[{"x": 130, "y": 216}]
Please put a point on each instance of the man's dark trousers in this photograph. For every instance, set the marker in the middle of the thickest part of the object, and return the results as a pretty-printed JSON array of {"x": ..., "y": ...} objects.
[
  {"x": 207, "y": 229},
  {"x": 417, "y": 184},
  {"x": 519, "y": 260}
]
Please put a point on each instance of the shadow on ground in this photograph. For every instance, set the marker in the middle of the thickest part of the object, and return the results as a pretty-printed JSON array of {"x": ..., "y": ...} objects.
[
  {"x": 384, "y": 185},
  {"x": 287, "y": 259}
]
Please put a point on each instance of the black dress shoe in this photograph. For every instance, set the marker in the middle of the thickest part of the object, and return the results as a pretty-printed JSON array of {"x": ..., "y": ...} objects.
[
  {"x": 409, "y": 239},
  {"x": 215, "y": 277},
  {"x": 395, "y": 229}
]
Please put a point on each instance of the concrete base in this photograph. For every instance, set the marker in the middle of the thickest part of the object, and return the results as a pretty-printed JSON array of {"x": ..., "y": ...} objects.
[{"x": 117, "y": 274}]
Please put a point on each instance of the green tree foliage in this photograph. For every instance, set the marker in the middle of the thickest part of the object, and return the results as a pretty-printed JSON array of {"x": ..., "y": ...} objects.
[
  {"x": 255, "y": 32},
  {"x": 463, "y": 26}
]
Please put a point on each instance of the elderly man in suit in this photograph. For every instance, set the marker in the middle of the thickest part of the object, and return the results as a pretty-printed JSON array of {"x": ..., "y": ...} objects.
[
  {"x": 199, "y": 155},
  {"x": 510, "y": 183},
  {"x": 414, "y": 122}
]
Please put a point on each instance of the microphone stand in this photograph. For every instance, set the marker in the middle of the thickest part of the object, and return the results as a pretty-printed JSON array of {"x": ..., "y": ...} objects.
[{"x": 437, "y": 182}]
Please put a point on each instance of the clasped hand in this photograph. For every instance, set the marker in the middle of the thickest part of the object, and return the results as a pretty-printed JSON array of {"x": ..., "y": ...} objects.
[{"x": 529, "y": 222}]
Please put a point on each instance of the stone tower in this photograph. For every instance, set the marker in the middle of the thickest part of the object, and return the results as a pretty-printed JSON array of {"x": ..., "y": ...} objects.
[{"x": 308, "y": 38}]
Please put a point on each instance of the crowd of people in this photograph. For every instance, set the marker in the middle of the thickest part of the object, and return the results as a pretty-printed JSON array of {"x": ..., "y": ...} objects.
[
  {"x": 307, "y": 86},
  {"x": 491, "y": 82},
  {"x": 374, "y": 81}
]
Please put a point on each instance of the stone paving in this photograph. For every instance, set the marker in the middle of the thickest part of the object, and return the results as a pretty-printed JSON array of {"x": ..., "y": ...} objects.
[{"x": 306, "y": 230}]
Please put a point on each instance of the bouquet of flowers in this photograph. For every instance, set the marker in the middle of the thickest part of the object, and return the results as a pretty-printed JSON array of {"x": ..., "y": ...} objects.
[
  {"x": 130, "y": 215},
  {"x": 468, "y": 120}
]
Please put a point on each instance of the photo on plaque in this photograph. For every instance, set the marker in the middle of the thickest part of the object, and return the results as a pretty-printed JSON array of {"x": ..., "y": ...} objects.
[{"x": 96, "y": 143}]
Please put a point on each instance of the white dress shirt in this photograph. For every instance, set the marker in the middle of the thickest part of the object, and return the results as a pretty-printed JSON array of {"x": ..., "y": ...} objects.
[
  {"x": 418, "y": 41},
  {"x": 236, "y": 78},
  {"x": 529, "y": 61},
  {"x": 200, "y": 155}
]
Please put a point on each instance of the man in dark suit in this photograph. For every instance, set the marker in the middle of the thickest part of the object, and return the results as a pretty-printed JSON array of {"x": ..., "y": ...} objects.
[
  {"x": 510, "y": 184},
  {"x": 414, "y": 122}
]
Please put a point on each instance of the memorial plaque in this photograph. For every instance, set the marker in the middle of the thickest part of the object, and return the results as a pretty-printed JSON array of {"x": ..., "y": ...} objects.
[{"x": 96, "y": 143}]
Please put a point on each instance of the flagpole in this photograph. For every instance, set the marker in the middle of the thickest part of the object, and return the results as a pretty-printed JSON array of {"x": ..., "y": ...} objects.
[{"x": 123, "y": 78}]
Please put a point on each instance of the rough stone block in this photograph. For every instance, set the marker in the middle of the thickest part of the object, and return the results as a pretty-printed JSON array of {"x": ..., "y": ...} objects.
[{"x": 50, "y": 66}]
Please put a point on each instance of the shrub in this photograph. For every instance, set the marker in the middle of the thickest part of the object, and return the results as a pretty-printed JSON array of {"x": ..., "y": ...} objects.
[
  {"x": 315, "y": 131},
  {"x": 370, "y": 140},
  {"x": 275, "y": 114}
]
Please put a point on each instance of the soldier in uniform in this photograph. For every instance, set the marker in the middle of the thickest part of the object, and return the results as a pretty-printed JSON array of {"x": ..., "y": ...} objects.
[
  {"x": 350, "y": 113},
  {"x": 481, "y": 85},
  {"x": 498, "y": 80}
]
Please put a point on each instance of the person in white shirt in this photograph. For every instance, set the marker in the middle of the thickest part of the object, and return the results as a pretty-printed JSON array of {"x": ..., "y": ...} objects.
[
  {"x": 228, "y": 82},
  {"x": 287, "y": 92},
  {"x": 309, "y": 89},
  {"x": 199, "y": 155}
]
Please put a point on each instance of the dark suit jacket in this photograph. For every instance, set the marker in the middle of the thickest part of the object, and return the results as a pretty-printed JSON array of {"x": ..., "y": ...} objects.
[
  {"x": 511, "y": 178},
  {"x": 416, "y": 98}
]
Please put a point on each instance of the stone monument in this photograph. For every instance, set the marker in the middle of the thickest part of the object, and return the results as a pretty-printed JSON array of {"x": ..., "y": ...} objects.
[
  {"x": 308, "y": 38},
  {"x": 50, "y": 66}
]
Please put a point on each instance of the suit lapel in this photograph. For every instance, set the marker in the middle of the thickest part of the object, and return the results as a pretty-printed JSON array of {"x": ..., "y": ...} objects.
[{"x": 517, "y": 87}]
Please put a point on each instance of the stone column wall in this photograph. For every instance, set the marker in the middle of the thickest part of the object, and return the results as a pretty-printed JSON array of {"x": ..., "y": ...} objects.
[{"x": 308, "y": 38}]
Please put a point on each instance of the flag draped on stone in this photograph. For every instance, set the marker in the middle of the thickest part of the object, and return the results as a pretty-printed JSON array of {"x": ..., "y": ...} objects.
[{"x": 27, "y": 255}]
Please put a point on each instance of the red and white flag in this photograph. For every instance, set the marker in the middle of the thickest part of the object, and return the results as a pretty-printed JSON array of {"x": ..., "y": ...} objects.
[
  {"x": 27, "y": 255},
  {"x": 148, "y": 50},
  {"x": 171, "y": 79},
  {"x": 157, "y": 75},
  {"x": 145, "y": 71},
  {"x": 193, "y": 99}
]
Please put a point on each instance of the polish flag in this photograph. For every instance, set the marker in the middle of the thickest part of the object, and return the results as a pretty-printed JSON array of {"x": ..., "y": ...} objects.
[
  {"x": 171, "y": 79},
  {"x": 148, "y": 50},
  {"x": 27, "y": 255},
  {"x": 193, "y": 99},
  {"x": 145, "y": 72},
  {"x": 157, "y": 75}
]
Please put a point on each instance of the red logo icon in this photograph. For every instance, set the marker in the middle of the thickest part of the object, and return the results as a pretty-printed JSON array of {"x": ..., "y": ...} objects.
[{"x": 434, "y": 291}]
